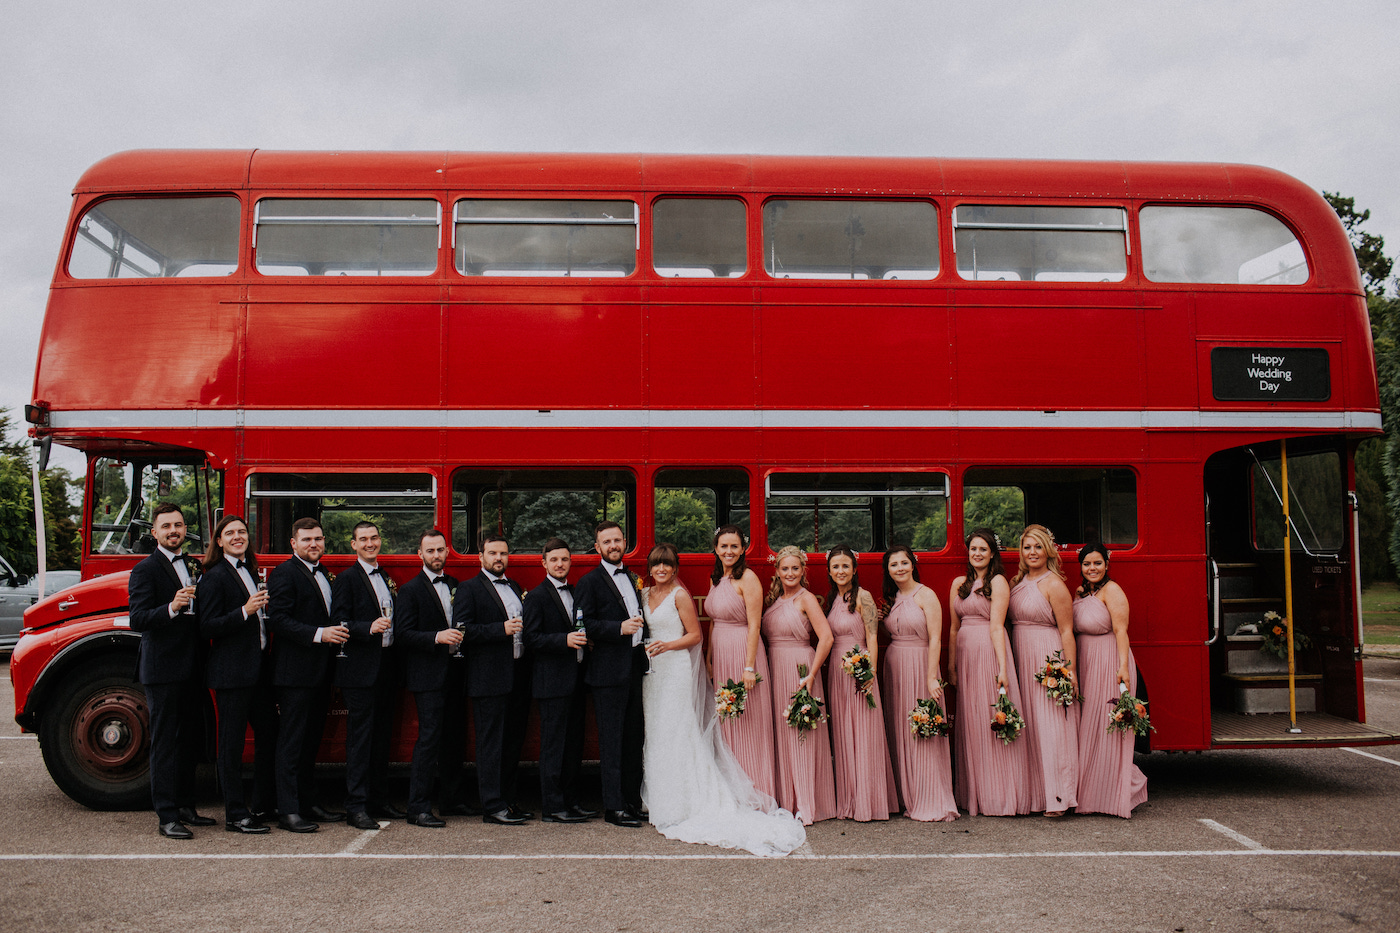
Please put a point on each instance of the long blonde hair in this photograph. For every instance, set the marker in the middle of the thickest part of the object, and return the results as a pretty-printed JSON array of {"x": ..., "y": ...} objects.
[
  {"x": 1047, "y": 541},
  {"x": 775, "y": 589}
]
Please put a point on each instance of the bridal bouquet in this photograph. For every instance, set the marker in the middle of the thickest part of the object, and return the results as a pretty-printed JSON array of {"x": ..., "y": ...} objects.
[
  {"x": 1128, "y": 713},
  {"x": 804, "y": 711},
  {"x": 730, "y": 698},
  {"x": 1054, "y": 677},
  {"x": 1006, "y": 718},
  {"x": 856, "y": 662},
  {"x": 927, "y": 720}
]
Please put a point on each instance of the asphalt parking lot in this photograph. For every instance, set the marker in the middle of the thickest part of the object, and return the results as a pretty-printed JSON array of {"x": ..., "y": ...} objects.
[{"x": 1277, "y": 840}]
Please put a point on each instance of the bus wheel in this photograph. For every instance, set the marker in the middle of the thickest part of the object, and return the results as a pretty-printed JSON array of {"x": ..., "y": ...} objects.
[{"x": 96, "y": 739}]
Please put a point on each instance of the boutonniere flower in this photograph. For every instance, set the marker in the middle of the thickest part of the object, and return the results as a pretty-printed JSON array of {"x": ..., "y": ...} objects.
[
  {"x": 330, "y": 577},
  {"x": 637, "y": 582},
  {"x": 389, "y": 582},
  {"x": 452, "y": 595}
]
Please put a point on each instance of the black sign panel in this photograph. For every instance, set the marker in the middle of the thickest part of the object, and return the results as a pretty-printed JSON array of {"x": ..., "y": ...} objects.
[{"x": 1270, "y": 374}]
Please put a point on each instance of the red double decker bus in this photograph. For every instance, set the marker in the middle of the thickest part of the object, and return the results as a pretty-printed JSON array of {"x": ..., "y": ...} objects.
[{"x": 821, "y": 350}]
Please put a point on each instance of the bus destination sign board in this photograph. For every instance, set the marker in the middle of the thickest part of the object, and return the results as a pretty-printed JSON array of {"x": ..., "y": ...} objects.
[{"x": 1274, "y": 374}]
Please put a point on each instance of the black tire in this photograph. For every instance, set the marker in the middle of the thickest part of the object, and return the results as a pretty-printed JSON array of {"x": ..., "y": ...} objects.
[{"x": 95, "y": 736}]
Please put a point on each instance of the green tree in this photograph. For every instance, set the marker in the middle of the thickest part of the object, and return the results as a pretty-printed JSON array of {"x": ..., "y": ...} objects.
[
  {"x": 684, "y": 520},
  {"x": 1378, "y": 460},
  {"x": 17, "y": 538}
]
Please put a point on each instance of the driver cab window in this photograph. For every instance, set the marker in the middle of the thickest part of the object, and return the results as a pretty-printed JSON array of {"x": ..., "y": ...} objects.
[{"x": 124, "y": 493}]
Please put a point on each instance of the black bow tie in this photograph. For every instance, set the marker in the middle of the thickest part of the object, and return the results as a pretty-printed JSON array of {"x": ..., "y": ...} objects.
[
  {"x": 376, "y": 570},
  {"x": 319, "y": 569},
  {"x": 240, "y": 564},
  {"x": 178, "y": 559},
  {"x": 566, "y": 588},
  {"x": 620, "y": 572},
  {"x": 501, "y": 582},
  {"x": 435, "y": 580}
]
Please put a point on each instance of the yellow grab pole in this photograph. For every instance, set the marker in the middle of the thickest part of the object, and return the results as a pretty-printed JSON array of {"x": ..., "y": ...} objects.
[{"x": 1288, "y": 594}]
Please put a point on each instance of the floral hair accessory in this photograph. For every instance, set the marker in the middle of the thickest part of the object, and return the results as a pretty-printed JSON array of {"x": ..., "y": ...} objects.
[{"x": 855, "y": 555}]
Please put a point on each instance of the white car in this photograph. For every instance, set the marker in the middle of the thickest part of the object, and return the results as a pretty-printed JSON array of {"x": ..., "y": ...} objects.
[{"x": 18, "y": 592}]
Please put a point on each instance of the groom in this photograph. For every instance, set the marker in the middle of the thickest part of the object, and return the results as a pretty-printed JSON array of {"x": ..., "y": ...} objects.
[{"x": 609, "y": 598}]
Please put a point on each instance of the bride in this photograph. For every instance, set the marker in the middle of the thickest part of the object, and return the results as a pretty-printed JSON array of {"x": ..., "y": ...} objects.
[{"x": 694, "y": 788}]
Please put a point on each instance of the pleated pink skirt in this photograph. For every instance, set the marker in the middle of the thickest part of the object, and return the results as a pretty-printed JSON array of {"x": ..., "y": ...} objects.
[
  {"x": 806, "y": 784},
  {"x": 1052, "y": 731},
  {"x": 991, "y": 778},
  {"x": 923, "y": 767},
  {"x": 750, "y": 736},
  {"x": 1109, "y": 782},
  {"x": 865, "y": 788}
]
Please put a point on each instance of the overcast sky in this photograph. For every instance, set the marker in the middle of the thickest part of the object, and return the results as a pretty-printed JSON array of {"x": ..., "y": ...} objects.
[{"x": 1310, "y": 88}]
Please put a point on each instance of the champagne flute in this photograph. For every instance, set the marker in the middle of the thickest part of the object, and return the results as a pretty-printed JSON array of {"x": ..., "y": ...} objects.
[
  {"x": 192, "y": 568},
  {"x": 386, "y": 609},
  {"x": 517, "y": 642},
  {"x": 262, "y": 588}
]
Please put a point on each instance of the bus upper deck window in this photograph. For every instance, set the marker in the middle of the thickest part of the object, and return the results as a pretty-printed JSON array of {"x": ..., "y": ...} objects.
[
  {"x": 346, "y": 236},
  {"x": 125, "y": 238},
  {"x": 1019, "y": 243},
  {"x": 1225, "y": 245},
  {"x": 698, "y": 238},
  {"x": 512, "y": 237},
  {"x": 850, "y": 239}
]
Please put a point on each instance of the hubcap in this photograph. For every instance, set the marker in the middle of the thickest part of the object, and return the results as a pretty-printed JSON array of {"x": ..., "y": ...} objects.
[{"x": 110, "y": 734}]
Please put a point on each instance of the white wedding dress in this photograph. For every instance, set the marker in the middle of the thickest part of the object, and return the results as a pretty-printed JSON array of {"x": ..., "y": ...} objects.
[{"x": 693, "y": 786}]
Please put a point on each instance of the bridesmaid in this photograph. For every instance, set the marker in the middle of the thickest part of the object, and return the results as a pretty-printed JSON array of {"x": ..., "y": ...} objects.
[
  {"x": 1109, "y": 782},
  {"x": 914, "y": 620},
  {"x": 865, "y": 788},
  {"x": 806, "y": 785},
  {"x": 1041, "y": 609},
  {"x": 991, "y": 776},
  {"x": 735, "y": 605}
]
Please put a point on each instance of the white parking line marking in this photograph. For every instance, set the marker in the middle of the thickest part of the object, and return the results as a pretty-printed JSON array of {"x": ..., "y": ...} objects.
[
  {"x": 359, "y": 842},
  {"x": 1241, "y": 838},
  {"x": 1357, "y": 751},
  {"x": 31, "y": 737},
  {"x": 698, "y": 857}
]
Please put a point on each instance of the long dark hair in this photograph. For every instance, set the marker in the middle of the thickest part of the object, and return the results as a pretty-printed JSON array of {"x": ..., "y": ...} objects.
[
  {"x": 1085, "y": 589},
  {"x": 740, "y": 565},
  {"x": 214, "y": 553},
  {"x": 994, "y": 566},
  {"x": 833, "y": 594},
  {"x": 890, "y": 589}
]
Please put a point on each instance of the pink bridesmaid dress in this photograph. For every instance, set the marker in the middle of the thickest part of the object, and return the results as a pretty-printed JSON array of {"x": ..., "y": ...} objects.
[
  {"x": 1109, "y": 782},
  {"x": 749, "y": 736},
  {"x": 992, "y": 778},
  {"x": 806, "y": 785},
  {"x": 865, "y": 788},
  {"x": 1052, "y": 731},
  {"x": 925, "y": 774}
]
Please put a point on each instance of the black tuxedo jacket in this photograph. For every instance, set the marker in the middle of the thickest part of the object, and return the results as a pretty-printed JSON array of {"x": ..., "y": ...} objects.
[
  {"x": 235, "y": 653},
  {"x": 547, "y": 627},
  {"x": 355, "y": 605},
  {"x": 295, "y": 610},
  {"x": 480, "y": 613},
  {"x": 610, "y": 664},
  {"x": 170, "y": 648},
  {"x": 418, "y": 617}
]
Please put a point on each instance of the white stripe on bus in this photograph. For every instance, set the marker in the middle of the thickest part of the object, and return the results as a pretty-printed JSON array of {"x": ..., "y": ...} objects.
[{"x": 1183, "y": 419}]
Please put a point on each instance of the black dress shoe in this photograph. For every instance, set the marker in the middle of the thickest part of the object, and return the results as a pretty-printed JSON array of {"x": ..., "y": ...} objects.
[
  {"x": 621, "y": 818},
  {"x": 584, "y": 812},
  {"x": 564, "y": 816},
  {"x": 175, "y": 830},
  {"x": 249, "y": 825},
  {"x": 426, "y": 820},
  {"x": 293, "y": 823},
  {"x": 637, "y": 813},
  {"x": 361, "y": 820},
  {"x": 265, "y": 816},
  {"x": 191, "y": 818},
  {"x": 322, "y": 815},
  {"x": 522, "y": 814},
  {"x": 385, "y": 811},
  {"x": 460, "y": 809},
  {"x": 503, "y": 818}
]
